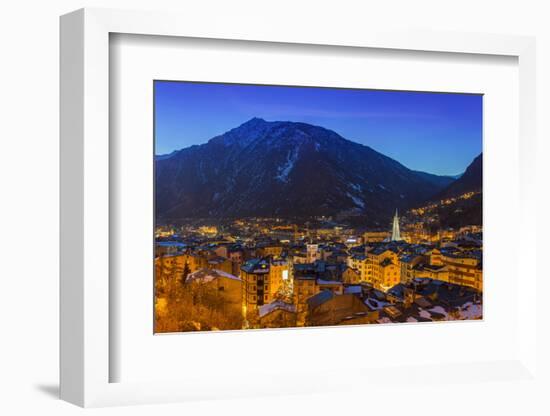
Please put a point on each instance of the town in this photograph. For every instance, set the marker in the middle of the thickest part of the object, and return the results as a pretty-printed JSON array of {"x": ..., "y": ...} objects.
[{"x": 275, "y": 273}]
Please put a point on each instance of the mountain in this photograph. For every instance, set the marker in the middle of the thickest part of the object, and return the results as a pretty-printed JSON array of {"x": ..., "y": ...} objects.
[
  {"x": 286, "y": 169},
  {"x": 437, "y": 180},
  {"x": 462, "y": 211},
  {"x": 162, "y": 157},
  {"x": 471, "y": 180}
]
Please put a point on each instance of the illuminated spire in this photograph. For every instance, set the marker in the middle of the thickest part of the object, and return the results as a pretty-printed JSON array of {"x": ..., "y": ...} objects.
[{"x": 395, "y": 234}]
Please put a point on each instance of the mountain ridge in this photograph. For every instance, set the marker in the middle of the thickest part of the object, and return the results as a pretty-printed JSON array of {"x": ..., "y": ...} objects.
[
  {"x": 470, "y": 181},
  {"x": 283, "y": 168}
]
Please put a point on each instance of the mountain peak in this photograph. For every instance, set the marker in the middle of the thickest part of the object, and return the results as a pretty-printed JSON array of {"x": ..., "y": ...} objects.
[
  {"x": 254, "y": 120},
  {"x": 258, "y": 128},
  {"x": 243, "y": 134},
  {"x": 253, "y": 123}
]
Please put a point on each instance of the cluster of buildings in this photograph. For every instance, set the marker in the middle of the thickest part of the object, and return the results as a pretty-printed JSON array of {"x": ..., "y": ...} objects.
[{"x": 332, "y": 279}]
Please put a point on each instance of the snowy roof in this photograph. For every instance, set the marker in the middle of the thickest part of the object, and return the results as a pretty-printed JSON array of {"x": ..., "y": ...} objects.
[
  {"x": 398, "y": 290},
  {"x": 379, "y": 250},
  {"x": 207, "y": 275},
  {"x": 354, "y": 289},
  {"x": 273, "y": 306},
  {"x": 423, "y": 302},
  {"x": 328, "y": 282},
  {"x": 256, "y": 266},
  {"x": 408, "y": 258},
  {"x": 320, "y": 298},
  {"x": 170, "y": 244}
]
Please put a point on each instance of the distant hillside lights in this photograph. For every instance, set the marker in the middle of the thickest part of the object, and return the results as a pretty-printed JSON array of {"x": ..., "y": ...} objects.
[
  {"x": 211, "y": 230},
  {"x": 447, "y": 201},
  {"x": 164, "y": 232}
]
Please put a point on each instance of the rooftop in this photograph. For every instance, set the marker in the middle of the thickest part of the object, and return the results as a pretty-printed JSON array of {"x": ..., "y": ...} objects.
[
  {"x": 276, "y": 305},
  {"x": 259, "y": 266},
  {"x": 207, "y": 275},
  {"x": 320, "y": 298}
]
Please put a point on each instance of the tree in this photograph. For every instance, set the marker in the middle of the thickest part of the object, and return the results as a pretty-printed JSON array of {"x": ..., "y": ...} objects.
[{"x": 186, "y": 272}]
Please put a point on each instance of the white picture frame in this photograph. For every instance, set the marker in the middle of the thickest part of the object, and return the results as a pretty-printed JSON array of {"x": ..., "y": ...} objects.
[{"x": 85, "y": 210}]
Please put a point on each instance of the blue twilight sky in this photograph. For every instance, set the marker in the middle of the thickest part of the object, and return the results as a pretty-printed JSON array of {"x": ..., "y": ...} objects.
[{"x": 439, "y": 133}]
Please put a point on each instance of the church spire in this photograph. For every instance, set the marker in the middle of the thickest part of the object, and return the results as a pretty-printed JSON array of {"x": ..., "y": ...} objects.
[{"x": 395, "y": 233}]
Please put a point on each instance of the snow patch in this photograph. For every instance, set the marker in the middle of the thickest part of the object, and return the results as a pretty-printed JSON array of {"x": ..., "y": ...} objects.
[
  {"x": 278, "y": 304},
  {"x": 439, "y": 309},
  {"x": 356, "y": 187},
  {"x": 205, "y": 275},
  {"x": 425, "y": 314},
  {"x": 357, "y": 201},
  {"x": 284, "y": 170},
  {"x": 471, "y": 311}
]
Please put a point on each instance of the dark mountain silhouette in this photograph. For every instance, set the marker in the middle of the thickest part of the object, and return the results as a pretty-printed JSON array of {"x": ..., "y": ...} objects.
[
  {"x": 437, "y": 180},
  {"x": 470, "y": 181},
  {"x": 286, "y": 169},
  {"x": 463, "y": 212}
]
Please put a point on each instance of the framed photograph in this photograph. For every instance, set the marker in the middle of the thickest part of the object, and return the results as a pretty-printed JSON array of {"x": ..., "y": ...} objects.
[
  {"x": 285, "y": 223},
  {"x": 252, "y": 215}
]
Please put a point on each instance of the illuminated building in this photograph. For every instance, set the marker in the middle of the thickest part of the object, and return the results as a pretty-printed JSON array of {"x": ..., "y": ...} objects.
[
  {"x": 454, "y": 266},
  {"x": 358, "y": 262},
  {"x": 312, "y": 251},
  {"x": 375, "y": 236},
  {"x": 211, "y": 230},
  {"x": 278, "y": 273},
  {"x": 255, "y": 277},
  {"x": 273, "y": 249},
  {"x": 305, "y": 286},
  {"x": 333, "y": 286},
  {"x": 351, "y": 276},
  {"x": 395, "y": 233},
  {"x": 431, "y": 271},
  {"x": 389, "y": 274},
  {"x": 263, "y": 280},
  {"x": 226, "y": 287},
  {"x": 299, "y": 256},
  {"x": 326, "y": 308},
  {"x": 434, "y": 257},
  {"x": 277, "y": 314},
  {"x": 168, "y": 247},
  {"x": 382, "y": 268},
  {"x": 407, "y": 263},
  {"x": 464, "y": 269},
  {"x": 220, "y": 263}
]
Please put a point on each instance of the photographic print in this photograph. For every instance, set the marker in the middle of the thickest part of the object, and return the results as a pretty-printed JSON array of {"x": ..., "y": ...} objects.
[{"x": 290, "y": 206}]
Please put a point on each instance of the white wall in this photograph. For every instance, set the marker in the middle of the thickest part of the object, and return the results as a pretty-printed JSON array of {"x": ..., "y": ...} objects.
[{"x": 29, "y": 184}]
